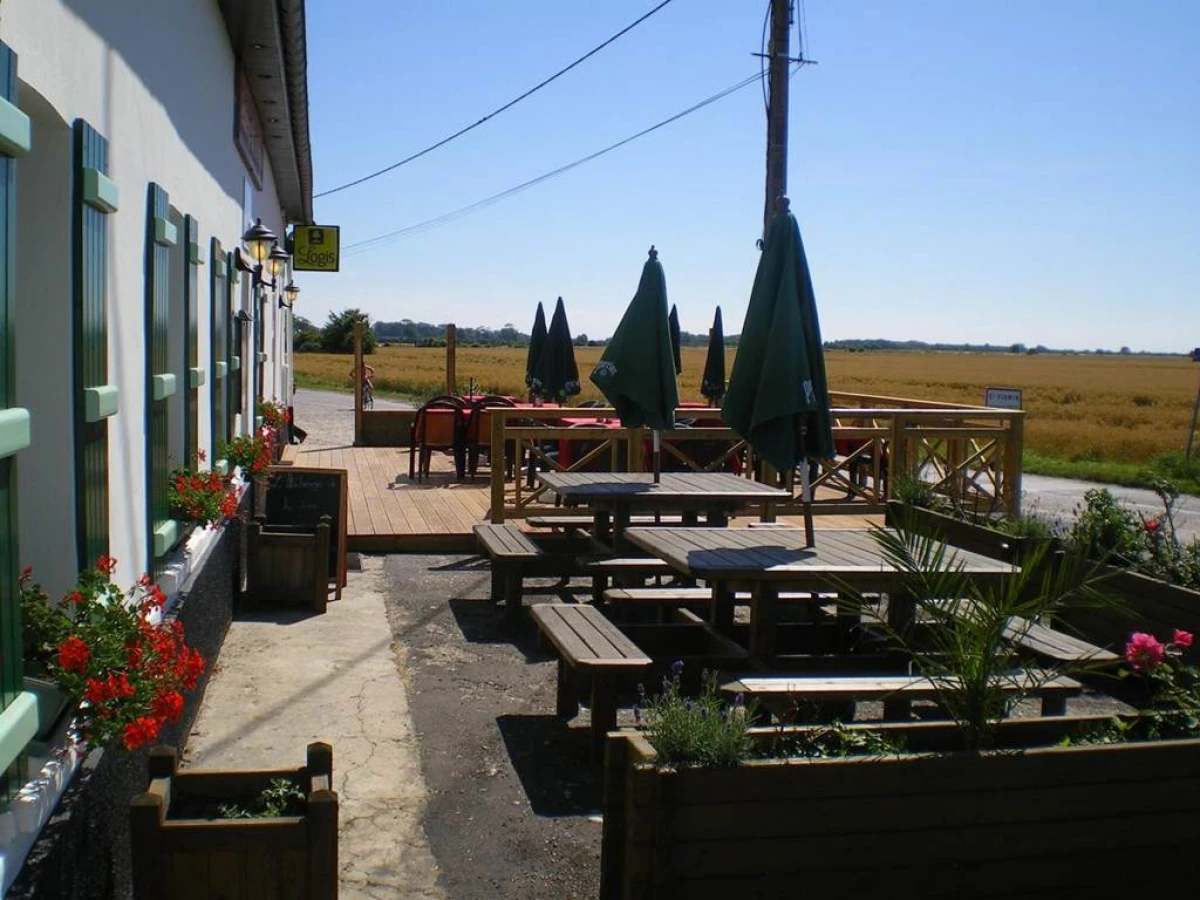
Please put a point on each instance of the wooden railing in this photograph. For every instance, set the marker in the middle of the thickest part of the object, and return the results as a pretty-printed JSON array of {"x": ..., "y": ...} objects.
[{"x": 972, "y": 454}]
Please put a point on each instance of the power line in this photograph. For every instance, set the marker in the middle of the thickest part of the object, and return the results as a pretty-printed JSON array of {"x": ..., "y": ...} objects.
[
  {"x": 509, "y": 105},
  {"x": 379, "y": 240}
]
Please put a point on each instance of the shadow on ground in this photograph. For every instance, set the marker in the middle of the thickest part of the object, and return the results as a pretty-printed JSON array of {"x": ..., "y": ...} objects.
[{"x": 553, "y": 762}]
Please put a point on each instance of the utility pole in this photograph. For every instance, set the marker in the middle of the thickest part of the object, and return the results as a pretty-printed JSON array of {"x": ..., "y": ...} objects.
[{"x": 779, "y": 55}]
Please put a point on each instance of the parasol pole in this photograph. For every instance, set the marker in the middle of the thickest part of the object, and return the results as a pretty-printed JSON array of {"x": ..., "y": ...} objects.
[
  {"x": 657, "y": 455},
  {"x": 810, "y": 539}
]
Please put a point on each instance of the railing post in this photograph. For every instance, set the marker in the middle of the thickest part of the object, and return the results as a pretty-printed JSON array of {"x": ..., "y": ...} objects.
[
  {"x": 358, "y": 386},
  {"x": 636, "y": 439},
  {"x": 1013, "y": 450},
  {"x": 899, "y": 452},
  {"x": 499, "y": 420}
]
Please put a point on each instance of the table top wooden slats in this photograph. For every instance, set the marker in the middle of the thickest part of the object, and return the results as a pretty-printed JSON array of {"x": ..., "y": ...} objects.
[
  {"x": 699, "y": 486},
  {"x": 780, "y": 554},
  {"x": 582, "y": 634}
]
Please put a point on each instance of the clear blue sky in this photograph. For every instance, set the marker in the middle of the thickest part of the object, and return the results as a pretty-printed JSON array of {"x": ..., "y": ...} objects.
[{"x": 962, "y": 171}]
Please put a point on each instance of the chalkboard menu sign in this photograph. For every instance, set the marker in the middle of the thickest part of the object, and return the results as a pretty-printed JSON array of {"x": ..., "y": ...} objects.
[{"x": 299, "y": 497}]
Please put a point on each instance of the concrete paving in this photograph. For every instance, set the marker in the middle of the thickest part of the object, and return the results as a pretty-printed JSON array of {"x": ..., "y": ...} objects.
[{"x": 284, "y": 680}]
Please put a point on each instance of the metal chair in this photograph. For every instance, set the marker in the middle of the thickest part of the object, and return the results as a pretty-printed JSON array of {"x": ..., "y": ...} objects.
[
  {"x": 479, "y": 429},
  {"x": 438, "y": 425}
]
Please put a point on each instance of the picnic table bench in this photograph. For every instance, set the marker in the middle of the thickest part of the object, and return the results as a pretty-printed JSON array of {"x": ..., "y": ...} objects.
[
  {"x": 515, "y": 555},
  {"x": 896, "y": 691},
  {"x": 592, "y": 649},
  {"x": 585, "y": 522},
  {"x": 625, "y": 599},
  {"x": 1034, "y": 637}
]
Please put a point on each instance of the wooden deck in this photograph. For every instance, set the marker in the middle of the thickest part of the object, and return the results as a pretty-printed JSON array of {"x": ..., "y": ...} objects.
[{"x": 390, "y": 513}]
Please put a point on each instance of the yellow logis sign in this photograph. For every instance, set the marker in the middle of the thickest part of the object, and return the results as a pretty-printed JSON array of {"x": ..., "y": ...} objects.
[{"x": 315, "y": 248}]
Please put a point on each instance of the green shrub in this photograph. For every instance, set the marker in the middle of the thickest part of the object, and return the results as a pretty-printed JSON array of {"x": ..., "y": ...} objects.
[
  {"x": 915, "y": 492},
  {"x": 1104, "y": 529}
]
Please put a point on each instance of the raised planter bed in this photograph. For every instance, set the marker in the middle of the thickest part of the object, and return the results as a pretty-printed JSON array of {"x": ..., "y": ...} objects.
[
  {"x": 1149, "y": 605},
  {"x": 287, "y": 856},
  {"x": 960, "y": 533},
  {"x": 1064, "y": 822}
]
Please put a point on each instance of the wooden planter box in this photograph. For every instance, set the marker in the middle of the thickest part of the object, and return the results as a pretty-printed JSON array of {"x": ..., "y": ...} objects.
[
  {"x": 1149, "y": 605},
  {"x": 287, "y": 566},
  {"x": 960, "y": 533},
  {"x": 1060, "y": 822},
  {"x": 291, "y": 856}
]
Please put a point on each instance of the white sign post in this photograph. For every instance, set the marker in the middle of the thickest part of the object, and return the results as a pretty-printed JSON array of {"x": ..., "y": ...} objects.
[{"x": 1002, "y": 398}]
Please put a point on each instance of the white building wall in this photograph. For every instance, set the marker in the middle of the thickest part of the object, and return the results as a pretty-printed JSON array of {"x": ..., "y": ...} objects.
[{"x": 157, "y": 80}]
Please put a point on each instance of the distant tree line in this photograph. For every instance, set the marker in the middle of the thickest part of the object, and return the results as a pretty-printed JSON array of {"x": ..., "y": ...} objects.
[
  {"x": 424, "y": 334},
  {"x": 859, "y": 345},
  {"x": 337, "y": 336}
]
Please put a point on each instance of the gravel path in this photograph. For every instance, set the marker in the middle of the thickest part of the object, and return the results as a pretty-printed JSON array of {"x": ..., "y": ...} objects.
[{"x": 328, "y": 417}]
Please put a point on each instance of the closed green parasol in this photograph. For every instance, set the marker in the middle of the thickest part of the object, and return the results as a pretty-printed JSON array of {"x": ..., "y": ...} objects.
[
  {"x": 537, "y": 340},
  {"x": 557, "y": 376},
  {"x": 712, "y": 385},
  {"x": 676, "y": 338},
  {"x": 778, "y": 398},
  {"x": 636, "y": 372}
]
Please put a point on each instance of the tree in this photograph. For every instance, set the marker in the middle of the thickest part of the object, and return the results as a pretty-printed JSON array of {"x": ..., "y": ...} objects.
[
  {"x": 338, "y": 334},
  {"x": 306, "y": 337},
  {"x": 1017, "y": 348}
]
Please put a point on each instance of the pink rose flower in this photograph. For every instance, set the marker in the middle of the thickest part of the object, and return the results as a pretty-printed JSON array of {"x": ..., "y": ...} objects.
[
  {"x": 1144, "y": 651},
  {"x": 1182, "y": 639}
]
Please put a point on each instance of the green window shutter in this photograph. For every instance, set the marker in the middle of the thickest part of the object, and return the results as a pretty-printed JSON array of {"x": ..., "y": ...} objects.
[
  {"x": 157, "y": 317},
  {"x": 218, "y": 288},
  {"x": 189, "y": 380},
  {"x": 260, "y": 344},
  {"x": 237, "y": 337},
  {"x": 94, "y": 396},
  {"x": 10, "y": 606}
]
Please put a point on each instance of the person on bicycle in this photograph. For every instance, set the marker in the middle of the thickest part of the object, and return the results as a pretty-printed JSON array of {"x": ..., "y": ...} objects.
[{"x": 368, "y": 386}]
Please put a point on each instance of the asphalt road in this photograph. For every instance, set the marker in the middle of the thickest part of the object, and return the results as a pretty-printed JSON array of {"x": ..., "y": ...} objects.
[{"x": 1059, "y": 499}]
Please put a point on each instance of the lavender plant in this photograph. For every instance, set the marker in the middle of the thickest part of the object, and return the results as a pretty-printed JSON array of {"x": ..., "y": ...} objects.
[{"x": 702, "y": 731}]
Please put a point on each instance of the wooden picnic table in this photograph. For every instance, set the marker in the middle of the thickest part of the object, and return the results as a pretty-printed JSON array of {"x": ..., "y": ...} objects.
[
  {"x": 764, "y": 561},
  {"x": 614, "y": 496}
]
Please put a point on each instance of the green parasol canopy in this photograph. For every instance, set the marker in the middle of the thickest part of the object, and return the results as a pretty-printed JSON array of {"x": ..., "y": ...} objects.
[
  {"x": 712, "y": 385},
  {"x": 676, "y": 338},
  {"x": 778, "y": 398},
  {"x": 636, "y": 372},
  {"x": 537, "y": 340},
  {"x": 557, "y": 376}
]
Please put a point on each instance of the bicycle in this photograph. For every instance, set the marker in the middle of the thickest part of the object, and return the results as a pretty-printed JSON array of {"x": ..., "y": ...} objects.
[{"x": 368, "y": 395}]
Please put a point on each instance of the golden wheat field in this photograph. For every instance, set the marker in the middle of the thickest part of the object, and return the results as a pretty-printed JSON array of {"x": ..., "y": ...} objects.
[{"x": 1110, "y": 408}]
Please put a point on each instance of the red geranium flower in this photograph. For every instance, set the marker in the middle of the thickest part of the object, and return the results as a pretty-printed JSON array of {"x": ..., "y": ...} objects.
[
  {"x": 140, "y": 732},
  {"x": 168, "y": 705},
  {"x": 73, "y": 654},
  {"x": 1152, "y": 525},
  {"x": 1182, "y": 639},
  {"x": 106, "y": 564}
]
